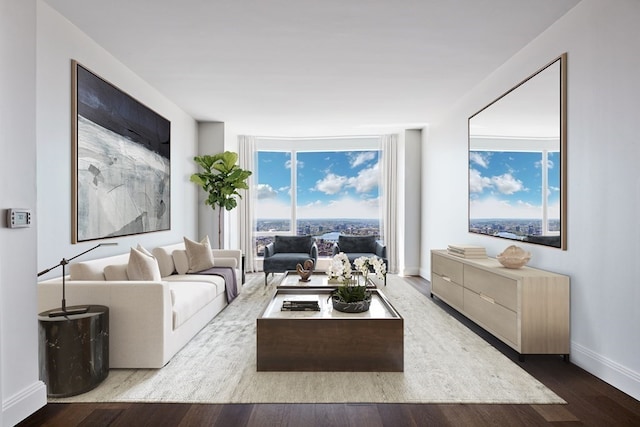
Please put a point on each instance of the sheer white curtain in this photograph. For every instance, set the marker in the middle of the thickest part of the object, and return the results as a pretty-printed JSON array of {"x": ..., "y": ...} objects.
[
  {"x": 389, "y": 148},
  {"x": 246, "y": 154}
]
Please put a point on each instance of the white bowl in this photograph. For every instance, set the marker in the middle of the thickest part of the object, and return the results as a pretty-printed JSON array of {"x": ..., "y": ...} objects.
[{"x": 514, "y": 257}]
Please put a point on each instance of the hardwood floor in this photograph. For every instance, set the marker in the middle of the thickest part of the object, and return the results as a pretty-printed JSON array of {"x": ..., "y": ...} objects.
[{"x": 590, "y": 402}]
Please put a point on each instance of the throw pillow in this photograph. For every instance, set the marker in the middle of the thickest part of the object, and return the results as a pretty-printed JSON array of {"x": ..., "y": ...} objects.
[
  {"x": 142, "y": 266},
  {"x": 181, "y": 261},
  {"x": 116, "y": 272},
  {"x": 199, "y": 254}
]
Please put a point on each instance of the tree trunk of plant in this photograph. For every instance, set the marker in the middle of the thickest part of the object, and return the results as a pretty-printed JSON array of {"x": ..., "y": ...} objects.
[{"x": 220, "y": 210}]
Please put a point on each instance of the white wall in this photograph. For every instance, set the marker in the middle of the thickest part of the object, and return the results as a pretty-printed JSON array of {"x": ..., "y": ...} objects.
[
  {"x": 21, "y": 391},
  {"x": 58, "y": 42},
  {"x": 602, "y": 40},
  {"x": 211, "y": 141},
  {"x": 409, "y": 191}
]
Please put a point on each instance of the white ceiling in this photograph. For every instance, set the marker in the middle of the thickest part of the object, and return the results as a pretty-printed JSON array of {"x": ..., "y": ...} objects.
[{"x": 313, "y": 67}]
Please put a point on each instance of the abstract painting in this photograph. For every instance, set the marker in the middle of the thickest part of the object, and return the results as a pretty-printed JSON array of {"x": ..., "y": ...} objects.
[{"x": 121, "y": 152}]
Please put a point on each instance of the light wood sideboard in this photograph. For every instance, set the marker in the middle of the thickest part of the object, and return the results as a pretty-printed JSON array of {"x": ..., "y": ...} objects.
[{"x": 526, "y": 308}]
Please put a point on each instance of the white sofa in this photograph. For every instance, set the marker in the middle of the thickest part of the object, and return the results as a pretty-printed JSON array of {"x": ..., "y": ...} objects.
[{"x": 149, "y": 321}]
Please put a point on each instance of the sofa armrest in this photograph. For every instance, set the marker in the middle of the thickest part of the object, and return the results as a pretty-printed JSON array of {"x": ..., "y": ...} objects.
[
  {"x": 335, "y": 250},
  {"x": 222, "y": 257},
  {"x": 140, "y": 316},
  {"x": 381, "y": 250},
  {"x": 269, "y": 250},
  {"x": 314, "y": 253}
]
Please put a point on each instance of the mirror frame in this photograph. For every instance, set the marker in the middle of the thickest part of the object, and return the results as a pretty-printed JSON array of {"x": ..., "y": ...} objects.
[{"x": 562, "y": 60}]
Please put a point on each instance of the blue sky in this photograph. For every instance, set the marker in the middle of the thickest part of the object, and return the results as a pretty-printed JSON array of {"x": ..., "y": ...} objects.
[
  {"x": 509, "y": 185},
  {"x": 330, "y": 184}
]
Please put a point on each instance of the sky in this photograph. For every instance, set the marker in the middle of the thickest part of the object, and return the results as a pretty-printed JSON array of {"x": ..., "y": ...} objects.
[
  {"x": 330, "y": 184},
  {"x": 509, "y": 185}
]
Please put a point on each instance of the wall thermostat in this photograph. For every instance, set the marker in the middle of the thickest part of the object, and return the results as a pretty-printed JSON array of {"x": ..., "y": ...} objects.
[{"x": 18, "y": 218}]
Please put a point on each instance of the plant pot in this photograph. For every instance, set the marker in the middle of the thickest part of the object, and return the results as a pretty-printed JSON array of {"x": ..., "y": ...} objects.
[{"x": 351, "y": 307}]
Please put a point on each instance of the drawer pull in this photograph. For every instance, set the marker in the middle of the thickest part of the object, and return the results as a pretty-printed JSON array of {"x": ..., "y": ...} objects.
[
  {"x": 445, "y": 278},
  {"x": 488, "y": 299}
]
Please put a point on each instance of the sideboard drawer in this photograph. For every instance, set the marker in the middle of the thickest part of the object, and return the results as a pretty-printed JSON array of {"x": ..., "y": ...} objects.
[
  {"x": 494, "y": 317},
  {"x": 502, "y": 290},
  {"x": 447, "y": 268},
  {"x": 447, "y": 291}
]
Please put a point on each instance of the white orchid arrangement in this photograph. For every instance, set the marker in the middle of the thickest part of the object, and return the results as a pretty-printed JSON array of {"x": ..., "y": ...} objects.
[
  {"x": 349, "y": 291},
  {"x": 364, "y": 264},
  {"x": 340, "y": 268}
]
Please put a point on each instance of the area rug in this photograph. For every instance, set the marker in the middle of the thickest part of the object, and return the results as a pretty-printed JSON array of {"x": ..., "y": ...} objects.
[{"x": 444, "y": 362}]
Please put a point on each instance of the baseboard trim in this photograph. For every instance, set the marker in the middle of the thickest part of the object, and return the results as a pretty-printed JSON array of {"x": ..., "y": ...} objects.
[
  {"x": 22, "y": 404},
  {"x": 607, "y": 370},
  {"x": 415, "y": 271}
]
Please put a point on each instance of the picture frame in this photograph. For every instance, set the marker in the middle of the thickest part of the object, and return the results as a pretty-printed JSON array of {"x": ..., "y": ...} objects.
[{"x": 121, "y": 162}]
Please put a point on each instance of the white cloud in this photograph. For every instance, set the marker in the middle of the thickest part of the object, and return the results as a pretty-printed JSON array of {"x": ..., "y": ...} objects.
[
  {"x": 361, "y": 158},
  {"x": 331, "y": 184},
  {"x": 479, "y": 159},
  {"x": 494, "y": 208},
  {"x": 272, "y": 209},
  {"x": 299, "y": 164},
  {"x": 507, "y": 183},
  {"x": 265, "y": 191},
  {"x": 345, "y": 207},
  {"x": 477, "y": 183},
  {"x": 367, "y": 179}
]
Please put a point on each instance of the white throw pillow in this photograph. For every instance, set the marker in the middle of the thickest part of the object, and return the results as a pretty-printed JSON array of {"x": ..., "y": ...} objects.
[
  {"x": 199, "y": 254},
  {"x": 181, "y": 261},
  {"x": 116, "y": 272},
  {"x": 142, "y": 266}
]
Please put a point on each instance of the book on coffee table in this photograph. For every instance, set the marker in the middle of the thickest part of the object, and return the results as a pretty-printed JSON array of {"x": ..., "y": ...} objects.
[{"x": 300, "y": 304}]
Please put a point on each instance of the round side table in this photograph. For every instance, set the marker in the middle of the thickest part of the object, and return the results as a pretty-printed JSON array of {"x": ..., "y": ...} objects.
[{"x": 74, "y": 350}]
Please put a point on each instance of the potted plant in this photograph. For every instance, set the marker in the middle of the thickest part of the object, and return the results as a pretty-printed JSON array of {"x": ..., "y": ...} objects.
[
  {"x": 350, "y": 296},
  {"x": 364, "y": 265},
  {"x": 221, "y": 179}
]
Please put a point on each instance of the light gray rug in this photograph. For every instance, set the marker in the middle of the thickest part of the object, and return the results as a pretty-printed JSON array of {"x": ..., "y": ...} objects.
[{"x": 444, "y": 362}]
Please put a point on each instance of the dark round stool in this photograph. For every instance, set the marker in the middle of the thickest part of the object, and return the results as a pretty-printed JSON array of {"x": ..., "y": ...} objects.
[{"x": 74, "y": 350}]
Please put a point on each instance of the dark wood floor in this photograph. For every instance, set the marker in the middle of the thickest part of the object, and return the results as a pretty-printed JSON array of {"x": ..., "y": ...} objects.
[{"x": 590, "y": 402}]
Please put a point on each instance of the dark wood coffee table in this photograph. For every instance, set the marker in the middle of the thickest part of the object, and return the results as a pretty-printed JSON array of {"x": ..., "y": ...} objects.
[{"x": 329, "y": 340}]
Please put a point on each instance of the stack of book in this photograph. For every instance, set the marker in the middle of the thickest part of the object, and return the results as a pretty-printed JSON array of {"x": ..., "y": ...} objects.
[
  {"x": 467, "y": 251},
  {"x": 295, "y": 304}
]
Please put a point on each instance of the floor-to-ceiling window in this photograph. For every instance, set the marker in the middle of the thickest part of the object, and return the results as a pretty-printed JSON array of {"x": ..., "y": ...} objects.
[{"x": 318, "y": 187}]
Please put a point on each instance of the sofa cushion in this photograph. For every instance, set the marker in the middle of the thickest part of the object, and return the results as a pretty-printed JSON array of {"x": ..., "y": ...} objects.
[
  {"x": 142, "y": 266},
  {"x": 199, "y": 254},
  {"x": 214, "y": 280},
  {"x": 116, "y": 272},
  {"x": 293, "y": 244},
  {"x": 287, "y": 261},
  {"x": 164, "y": 256},
  {"x": 94, "y": 269},
  {"x": 181, "y": 261},
  {"x": 360, "y": 244},
  {"x": 188, "y": 298}
]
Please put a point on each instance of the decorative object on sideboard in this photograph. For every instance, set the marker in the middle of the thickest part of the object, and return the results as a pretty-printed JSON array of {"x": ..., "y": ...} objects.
[
  {"x": 467, "y": 251},
  {"x": 63, "y": 263},
  {"x": 305, "y": 270},
  {"x": 221, "y": 180},
  {"x": 514, "y": 257}
]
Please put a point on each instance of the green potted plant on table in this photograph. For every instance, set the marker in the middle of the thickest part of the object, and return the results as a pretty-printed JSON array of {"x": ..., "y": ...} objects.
[{"x": 221, "y": 179}]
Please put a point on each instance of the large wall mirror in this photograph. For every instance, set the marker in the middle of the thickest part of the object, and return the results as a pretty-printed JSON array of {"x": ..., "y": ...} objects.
[{"x": 517, "y": 161}]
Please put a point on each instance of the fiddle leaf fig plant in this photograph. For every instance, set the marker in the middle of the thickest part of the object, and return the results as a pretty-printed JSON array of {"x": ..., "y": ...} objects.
[{"x": 221, "y": 180}]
